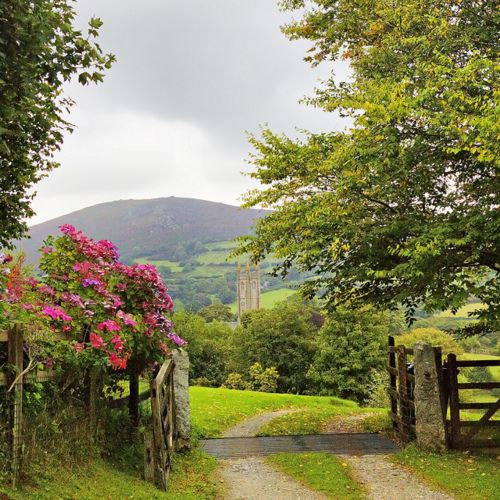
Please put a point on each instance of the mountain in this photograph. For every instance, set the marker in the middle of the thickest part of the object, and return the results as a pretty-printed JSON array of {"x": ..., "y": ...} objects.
[{"x": 150, "y": 227}]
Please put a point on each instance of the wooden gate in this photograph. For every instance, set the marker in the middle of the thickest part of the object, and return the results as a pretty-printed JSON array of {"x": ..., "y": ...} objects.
[
  {"x": 458, "y": 437},
  {"x": 159, "y": 448},
  {"x": 402, "y": 382}
]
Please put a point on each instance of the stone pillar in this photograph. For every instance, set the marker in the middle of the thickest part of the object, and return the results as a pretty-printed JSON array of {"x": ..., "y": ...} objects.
[
  {"x": 181, "y": 395},
  {"x": 430, "y": 425}
]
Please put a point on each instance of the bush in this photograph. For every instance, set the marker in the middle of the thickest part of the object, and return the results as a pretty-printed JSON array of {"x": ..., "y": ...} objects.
[
  {"x": 235, "y": 381},
  {"x": 263, "y": 380},
  {"x": 434, "y": 336},
  {"x": 378, "y": 396},
  {"x": 202, "y": 382}
]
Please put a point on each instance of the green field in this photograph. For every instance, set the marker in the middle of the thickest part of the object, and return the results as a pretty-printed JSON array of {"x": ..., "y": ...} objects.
[
  {"x": 462, "y": 313},
  {"x": 174, "y": 266}
]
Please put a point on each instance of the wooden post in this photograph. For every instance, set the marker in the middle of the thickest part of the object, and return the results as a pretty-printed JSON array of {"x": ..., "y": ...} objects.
[
  {"x": 393, "y": 383},
  {"x": 403, "y": 395},
  {"x": 15, "y": 359},
  {"x": 454, "y": 400},
  {"x": 149, "y": 453}
]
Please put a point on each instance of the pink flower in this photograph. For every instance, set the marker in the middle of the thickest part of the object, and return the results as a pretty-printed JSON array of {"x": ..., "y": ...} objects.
[
  {"x": 47, "y": 250},
  {"x": 67, "y": 229},
  {"x": 56, "y": 313},
  {"x": 118, "y": 342},
  {"x": 176, "y": 339},
  {"x": 79, "y": 346},
  {"x": 126, "y": 318},
  {"x": 164, "y": 348},
  {"x": 49, "y": 363},
  {"x": 116, "y": 362},
  {"x": 97, "y": 341},
  {"x": 109, "y": 325}
]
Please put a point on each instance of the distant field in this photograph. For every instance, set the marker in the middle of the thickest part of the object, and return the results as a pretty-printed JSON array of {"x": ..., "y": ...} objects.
[
  {"x": 271, "y": 298},
  {"x": 463, "y": 312},
  {"x": 174, "y": 266}
]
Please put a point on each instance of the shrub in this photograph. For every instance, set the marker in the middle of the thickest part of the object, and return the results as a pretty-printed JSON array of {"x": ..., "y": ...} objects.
[
  {"x": 434, "y": 336},
  {"x": 263, "y": 380},
  {"x": 235, "y": 381}
]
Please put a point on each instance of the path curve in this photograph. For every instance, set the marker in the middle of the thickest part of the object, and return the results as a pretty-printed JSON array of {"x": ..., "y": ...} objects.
[{"x": 251, "y": 426}]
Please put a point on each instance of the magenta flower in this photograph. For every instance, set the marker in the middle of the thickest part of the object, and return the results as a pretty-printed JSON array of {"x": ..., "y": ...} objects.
[
  {"x": 97, "y": 341},
  {"x": 56, "y": 313},
  {"x": 109, "y": 325},
  {"x": 176, "y": 339}
]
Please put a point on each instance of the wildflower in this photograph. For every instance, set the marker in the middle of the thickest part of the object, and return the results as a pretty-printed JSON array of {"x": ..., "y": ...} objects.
[
  {"x": 118, "y": 342},
  {"x": 79, "y": 346},
  {"x": 176, "y": 339},
  {"x": 116, "y": 362},
  {"x": 109, "y": 325}
]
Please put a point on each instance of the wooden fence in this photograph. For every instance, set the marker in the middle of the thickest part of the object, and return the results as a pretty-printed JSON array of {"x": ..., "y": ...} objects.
[
  {"x": 462, "y": 433},
  {"x": 14, "y": 378},
  {"x": 402, "y": 382},
  {"x": 160, "y": 445}
]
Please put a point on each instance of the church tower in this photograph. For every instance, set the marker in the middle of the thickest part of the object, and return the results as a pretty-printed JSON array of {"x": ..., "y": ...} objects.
[{"x": 248, "y": 287}]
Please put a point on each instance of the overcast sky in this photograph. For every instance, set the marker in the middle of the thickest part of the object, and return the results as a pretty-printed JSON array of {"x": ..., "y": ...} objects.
[{"x": 170, "y": 118}]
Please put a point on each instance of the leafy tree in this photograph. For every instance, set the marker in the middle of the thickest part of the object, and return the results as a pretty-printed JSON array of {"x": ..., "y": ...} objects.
[
  {"x": 208, "y": 346},
  {"x": 403, "y": 207},
  {"x": 219, "y": 312},
  {"x": 351, "y": 348},
  {"x": 434, "y": 336},
  {"x": 40, "y": 50},
  {"x": 283, "y": 338}
]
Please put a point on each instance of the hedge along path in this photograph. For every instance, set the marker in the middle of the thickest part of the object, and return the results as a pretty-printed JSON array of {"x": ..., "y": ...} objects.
[{"x": 251, "y": 478}]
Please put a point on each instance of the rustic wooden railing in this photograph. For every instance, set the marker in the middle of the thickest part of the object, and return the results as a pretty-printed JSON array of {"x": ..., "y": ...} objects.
[
  {"x": 15, "y": 379},
  {"x": 160, "y": 446},
  {"x": 402, "y": 383},
  {"x": 458, "y": 438}
]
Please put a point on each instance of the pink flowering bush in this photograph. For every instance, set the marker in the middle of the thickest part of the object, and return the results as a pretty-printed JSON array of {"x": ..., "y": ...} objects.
[
  {"x": 103, "y": 312},
  {"x": 115, "y": 314}
]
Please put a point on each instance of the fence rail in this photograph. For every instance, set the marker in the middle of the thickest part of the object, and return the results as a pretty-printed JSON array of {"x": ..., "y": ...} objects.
[{"x": 459, "y": 438}]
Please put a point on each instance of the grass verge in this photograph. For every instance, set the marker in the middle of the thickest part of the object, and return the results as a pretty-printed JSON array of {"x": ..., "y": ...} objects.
[
  {"x": 215, "y": 410},
  {"x": 463, "y": 475},
  {"x": 322, "y": 472}
]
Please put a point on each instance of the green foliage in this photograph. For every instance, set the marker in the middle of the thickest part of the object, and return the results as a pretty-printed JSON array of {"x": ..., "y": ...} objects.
[
  {"x": 433, "y": 336},
  {"x": 322, "y": 472},
  {"x": 263, "y": 380},
  {"x": 351, "y": 346},
  {"x": 219, "y": 312},
  {"x": 40, "y": 51},
  {"x": 282, "y": 337},
  {"x": 402, "y": 208},
  {"x": 235, "y": 381},
  {"x": 208, "y": 346}
]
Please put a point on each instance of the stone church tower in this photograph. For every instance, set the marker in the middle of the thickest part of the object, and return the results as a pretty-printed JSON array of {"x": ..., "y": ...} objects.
[{"x": 248, "y": 287}]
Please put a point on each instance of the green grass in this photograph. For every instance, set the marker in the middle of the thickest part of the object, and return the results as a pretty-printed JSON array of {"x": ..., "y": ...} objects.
[
  {"x": 465, "y": 476},
  {"x": 322, "y": 472},
  {"x": 193, "y": 476},
  {"x": 494, "y": 370},
  {"x": 215, "y": 410}
]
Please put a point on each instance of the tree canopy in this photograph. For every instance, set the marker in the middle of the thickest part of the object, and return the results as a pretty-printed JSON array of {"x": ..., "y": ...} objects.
[
  {"x": 40, "y": 51},
  {"x": 402, "y": 207}
]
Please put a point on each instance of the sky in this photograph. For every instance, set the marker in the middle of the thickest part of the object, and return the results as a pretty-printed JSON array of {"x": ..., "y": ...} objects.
[{"x": 192, "y": 77}]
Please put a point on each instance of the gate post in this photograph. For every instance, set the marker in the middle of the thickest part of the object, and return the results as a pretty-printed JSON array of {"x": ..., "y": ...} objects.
[
  {"x": 181, "y": 396},
  {"x": 430, "y": 424}
]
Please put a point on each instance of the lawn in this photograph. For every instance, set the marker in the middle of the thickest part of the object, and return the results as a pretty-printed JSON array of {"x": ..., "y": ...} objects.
[
  {"x": 214, "y": 410},
  {"x": 322, "y": 472},
  {"x": 464, "y": 475}
]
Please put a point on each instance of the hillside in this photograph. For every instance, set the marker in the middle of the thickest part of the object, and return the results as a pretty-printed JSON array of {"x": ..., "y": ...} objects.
[{"x": 151, "y": 227}]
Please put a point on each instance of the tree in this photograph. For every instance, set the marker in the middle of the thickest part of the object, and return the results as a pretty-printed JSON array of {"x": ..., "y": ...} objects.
[
  {"x": 403, "y": 207},
  {"x": 40, "y": 51},
  {"x": 219, "y": 312},
  {"x": 351, "y": 347},
  {"x": 283, "y": 338}
]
